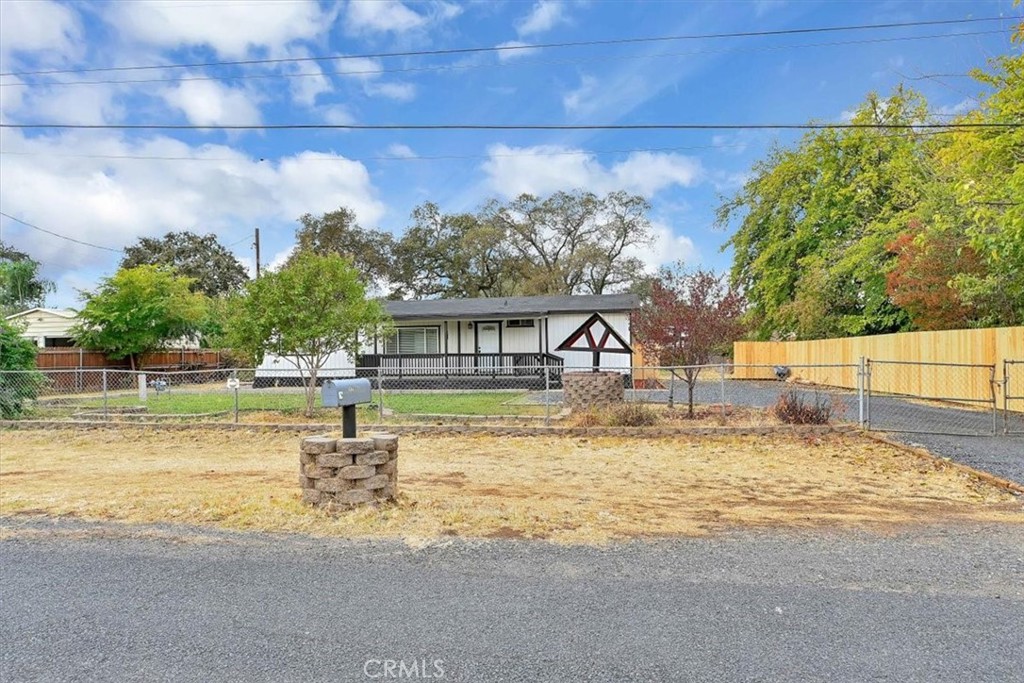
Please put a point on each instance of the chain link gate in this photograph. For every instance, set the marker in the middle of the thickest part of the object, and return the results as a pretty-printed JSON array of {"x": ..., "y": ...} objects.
[
  {"x": 932, "y": 398},
  {"x": 1013, "y": 396}
]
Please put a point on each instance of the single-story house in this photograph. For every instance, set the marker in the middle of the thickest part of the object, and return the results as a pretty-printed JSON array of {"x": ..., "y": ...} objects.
[
  {"x": 47, "y": 327},
  {"x": 485, "y": 338}
]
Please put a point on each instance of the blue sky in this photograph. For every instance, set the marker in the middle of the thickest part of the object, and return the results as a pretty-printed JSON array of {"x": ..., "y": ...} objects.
[{"x": 79, "y": 184}]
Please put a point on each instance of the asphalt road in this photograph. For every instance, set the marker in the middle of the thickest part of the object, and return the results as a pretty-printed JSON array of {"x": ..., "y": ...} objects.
[{"x": 91, "y": 603}]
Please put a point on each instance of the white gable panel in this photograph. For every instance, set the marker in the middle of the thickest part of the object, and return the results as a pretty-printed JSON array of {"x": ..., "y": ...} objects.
[{"x": 561, "y": 325}]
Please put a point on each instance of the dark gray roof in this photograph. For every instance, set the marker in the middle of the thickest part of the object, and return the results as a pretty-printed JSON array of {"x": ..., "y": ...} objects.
[{"x": 511, "y": 307}]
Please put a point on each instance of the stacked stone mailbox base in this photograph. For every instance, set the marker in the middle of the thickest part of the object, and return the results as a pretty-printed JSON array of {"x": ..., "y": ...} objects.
[
  {"x": 347, "y": 472},
  {"x": 586, "y": 390}
]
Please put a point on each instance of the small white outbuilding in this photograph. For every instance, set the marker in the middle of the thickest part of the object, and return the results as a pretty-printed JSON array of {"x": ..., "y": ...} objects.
[{"x": 47, "y": 327}]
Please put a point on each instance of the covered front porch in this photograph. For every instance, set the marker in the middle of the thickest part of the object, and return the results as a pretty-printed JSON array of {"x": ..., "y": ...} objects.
[{"x": 523, "y": 366}]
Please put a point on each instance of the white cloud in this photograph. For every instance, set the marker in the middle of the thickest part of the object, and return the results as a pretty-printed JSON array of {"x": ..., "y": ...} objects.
[
  {"x": 582, "y": 97},
  {"x": 209, "y": 103},
  {"x": 401, "y": 151},
  {"x": 312, "y": 82},
  {"x": 337, "y": 115},
  {"x": 280, "y": 258},
  {"x": 961, "y": 107},
  {"x": 547, "y": 168},
  {"x": 666, "y": 249},
  {"x": 113, "y": 201},
  {"x": 544, "y": 16},
  {"x": 230, "y": 28},
  {"x": 648, "y": 172},
  {"x": 763, "y": 7},
  {"x": 47, "y": 29},
  {"x": 509, "y": 55},
  {"x": 92, "y": 105},
  {"x": 400, "y": 92},
  {"x": 366, "y": 16}
]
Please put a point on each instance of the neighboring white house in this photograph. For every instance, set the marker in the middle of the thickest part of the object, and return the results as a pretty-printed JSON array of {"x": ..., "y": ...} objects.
[
  {"x": 47, "y": 327},
  {"x": 50, "y": 328},
  {"x": 486, "y": 337}
]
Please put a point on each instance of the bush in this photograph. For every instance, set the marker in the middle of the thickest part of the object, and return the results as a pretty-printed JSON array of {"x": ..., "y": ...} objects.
[
  {"x": 586, "y": 419},
  {"x": 17, "y": 354},
  {"x": 791, "y": 408},
  {"x": 632, "y": 415}
]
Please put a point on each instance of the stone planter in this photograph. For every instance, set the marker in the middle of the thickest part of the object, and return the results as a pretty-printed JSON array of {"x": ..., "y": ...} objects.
[{"x": 585, "y": 390}]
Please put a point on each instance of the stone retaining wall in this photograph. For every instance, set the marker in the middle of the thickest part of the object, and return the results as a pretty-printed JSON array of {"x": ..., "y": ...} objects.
[
  {"x": 585, "y": 390},
  {"x": 347, "y": 472}
]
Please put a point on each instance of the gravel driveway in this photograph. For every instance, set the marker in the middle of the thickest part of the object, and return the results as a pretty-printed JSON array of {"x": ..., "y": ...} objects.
[
  {"x": 912, "y": 422},
  {"x": 92, "y": 604}
]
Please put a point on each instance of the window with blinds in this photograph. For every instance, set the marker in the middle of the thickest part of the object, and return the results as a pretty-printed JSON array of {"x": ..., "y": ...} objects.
[{"x": 412, "y": 340}]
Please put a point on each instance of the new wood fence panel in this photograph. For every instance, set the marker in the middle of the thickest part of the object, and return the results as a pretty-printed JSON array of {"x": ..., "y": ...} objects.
[{"x": 975, "y": 346}]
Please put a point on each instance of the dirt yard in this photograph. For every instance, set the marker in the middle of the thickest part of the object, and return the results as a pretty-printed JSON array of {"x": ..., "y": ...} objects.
[{"x": 568, "y": 490}]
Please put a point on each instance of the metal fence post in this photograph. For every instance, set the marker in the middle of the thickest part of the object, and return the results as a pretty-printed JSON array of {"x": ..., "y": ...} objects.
[
  {"x": 995, "y": 403},
  {"x": 721, "y": 372},
  {"x": 380, "y": 394},
  {"x": 860, "y": 392},
  {"x": 1006, "y": 396},
  {"x": 867, "y": 394},
  {"x": 234, "y": 376},
  {"x": 105, "y": 414},
  {"x": 547, "y": 395}
]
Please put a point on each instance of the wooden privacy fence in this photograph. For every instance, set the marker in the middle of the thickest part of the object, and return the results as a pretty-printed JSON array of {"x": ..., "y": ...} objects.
[
  {"x": 936, "y": 355},
  {"x": 170, "y": 359}
]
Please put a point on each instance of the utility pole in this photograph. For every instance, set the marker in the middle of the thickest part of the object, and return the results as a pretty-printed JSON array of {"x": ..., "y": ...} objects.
[{"x": 257, "y": 245}]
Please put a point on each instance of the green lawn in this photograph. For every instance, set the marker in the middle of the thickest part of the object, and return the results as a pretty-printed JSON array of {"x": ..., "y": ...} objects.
[{"x": 439, "y": 403}]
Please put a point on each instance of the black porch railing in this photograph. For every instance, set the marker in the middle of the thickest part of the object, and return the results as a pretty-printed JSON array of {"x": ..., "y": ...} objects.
[{"x": 459, "y": 364}]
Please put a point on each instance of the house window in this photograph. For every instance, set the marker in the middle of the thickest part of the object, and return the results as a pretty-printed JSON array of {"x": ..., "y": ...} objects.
[
  {"x": 61, "y": 342},
  {"x": 410, "y": 340},
  {"x": 525, "y": 322}
]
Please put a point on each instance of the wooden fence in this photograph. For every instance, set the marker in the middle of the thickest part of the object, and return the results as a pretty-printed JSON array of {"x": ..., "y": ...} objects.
[
  {"x": 975, "y": 347},
  {"x": 170, "y": 359}
]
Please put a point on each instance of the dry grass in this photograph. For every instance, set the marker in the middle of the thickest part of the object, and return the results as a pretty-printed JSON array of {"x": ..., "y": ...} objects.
[{"x": 572, "y": 490}]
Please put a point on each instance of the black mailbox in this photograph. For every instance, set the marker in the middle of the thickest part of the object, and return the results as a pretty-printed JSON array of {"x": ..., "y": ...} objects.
[{"x": 346, "y": 394}]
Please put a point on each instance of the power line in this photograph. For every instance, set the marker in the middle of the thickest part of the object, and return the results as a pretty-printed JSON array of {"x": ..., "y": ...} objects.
[
  {"x": 63, "y": 237},
  {"x": 498, "y": 126},
  {"x": 513, "y": 48},
  {"x": 500, "y": 65},
  {"x": 438, "y": 157}
]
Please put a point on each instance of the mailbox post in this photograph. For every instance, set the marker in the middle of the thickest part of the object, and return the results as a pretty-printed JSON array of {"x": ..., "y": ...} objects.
[{"x": 346, "y": 394}]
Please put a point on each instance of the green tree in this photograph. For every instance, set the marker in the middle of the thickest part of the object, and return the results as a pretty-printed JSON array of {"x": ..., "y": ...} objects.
[
  {"x": 574, "y": 242},
  {"x": 813, "y": 224},
  {"x": 338, "y": 232},
  {"x": 138, "y": 310},
  {"x": 452, "y": 255},
  {"x": 21, "y": 286},
  {"x": 213, "y": 269},
  {"x": 313, "y": 307},
  {"x": 985, "y": 171},
  {"x": 18, "y": 380}
]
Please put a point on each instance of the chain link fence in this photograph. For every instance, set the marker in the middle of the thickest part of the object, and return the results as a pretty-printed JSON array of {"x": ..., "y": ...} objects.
[
  {"x": 1013, "y": 396},
  {"x": 933, "y": 398},
  {"x": 876, "y": 394}
]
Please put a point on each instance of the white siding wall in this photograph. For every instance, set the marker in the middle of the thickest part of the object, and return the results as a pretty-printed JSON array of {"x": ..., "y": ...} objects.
[
  {"x": 514, "y": 340},
  {"x": 42, "y": 324},
  {"x": 281, "y": 366},
  {"x": 561, "y": 325}
]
